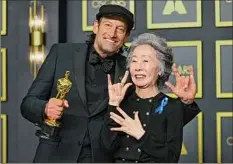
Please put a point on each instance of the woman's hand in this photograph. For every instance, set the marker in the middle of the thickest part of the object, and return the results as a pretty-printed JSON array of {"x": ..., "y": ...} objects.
[
  {"x": 130, "y": 126},
  {"x": 117, "y": 91},
  {"x": 185, "y": 87}
]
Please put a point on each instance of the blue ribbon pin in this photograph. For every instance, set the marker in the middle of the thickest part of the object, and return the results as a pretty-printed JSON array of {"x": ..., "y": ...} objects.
[{"x": 160, "y": 108}]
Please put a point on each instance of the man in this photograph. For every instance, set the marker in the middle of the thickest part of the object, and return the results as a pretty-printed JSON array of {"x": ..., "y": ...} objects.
[{"x": 86, "y": 103}]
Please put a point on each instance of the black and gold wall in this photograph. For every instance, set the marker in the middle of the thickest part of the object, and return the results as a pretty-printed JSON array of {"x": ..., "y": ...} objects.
[{"x": 199, "y": 31}]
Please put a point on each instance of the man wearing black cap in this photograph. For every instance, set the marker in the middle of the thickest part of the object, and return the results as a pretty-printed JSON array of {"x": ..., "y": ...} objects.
[{"x": 86, "y": 103}]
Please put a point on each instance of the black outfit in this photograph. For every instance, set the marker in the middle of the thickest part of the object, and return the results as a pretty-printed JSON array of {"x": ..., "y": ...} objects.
[
  {"x": 81, "y": 123},
  {"x": 88, "y": 100},
  {"x": 162, "y": 140}
]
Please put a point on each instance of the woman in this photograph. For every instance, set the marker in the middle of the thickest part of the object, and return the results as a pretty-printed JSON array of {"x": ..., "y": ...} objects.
[{"x": 143, "y": 124}]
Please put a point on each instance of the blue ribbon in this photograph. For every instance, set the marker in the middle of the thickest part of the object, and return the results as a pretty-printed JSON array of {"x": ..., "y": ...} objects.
[{"x": 160, "y": 108}]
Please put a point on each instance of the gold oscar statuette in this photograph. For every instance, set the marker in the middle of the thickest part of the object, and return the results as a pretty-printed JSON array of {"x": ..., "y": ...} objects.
[{"x": 63, "y": 87}]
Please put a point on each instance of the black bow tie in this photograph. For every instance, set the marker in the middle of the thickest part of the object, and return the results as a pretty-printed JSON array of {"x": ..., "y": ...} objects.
[{"x": 106, "y": 64}]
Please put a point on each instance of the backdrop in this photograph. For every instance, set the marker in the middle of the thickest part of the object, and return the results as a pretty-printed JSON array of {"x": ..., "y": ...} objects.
[{"x": 200, "y": 33}]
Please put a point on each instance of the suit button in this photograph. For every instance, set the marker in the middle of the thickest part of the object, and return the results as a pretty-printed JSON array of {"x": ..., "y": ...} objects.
[
  {"x": 127, "y": 136},
  {"x": 136, "y": 161},
  {"x": 37, "y": 125},
  {"x": 127, "y": 148},
  {"x": 139, "y": 150},
  {"x": 123, "y": 159}
]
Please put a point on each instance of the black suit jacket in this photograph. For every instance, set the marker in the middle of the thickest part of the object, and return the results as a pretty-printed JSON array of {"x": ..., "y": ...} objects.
[
  {"x": 163, "y": 136},
  {"x": 75, "y": 120}
]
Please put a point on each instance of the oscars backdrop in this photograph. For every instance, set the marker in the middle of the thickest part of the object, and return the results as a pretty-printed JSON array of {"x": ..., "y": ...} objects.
[{"x": 199, "y": 32}]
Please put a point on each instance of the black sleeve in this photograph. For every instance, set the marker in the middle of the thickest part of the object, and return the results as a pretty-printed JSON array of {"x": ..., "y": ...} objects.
[
  {"x": 110, "y": 139},
  {"x": 33, "y": 104},
  {"x": 169, "y": 150},
  {"x": 190, "y": 111}
]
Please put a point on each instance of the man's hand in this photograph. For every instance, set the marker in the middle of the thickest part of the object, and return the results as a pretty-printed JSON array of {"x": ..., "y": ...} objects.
[
  {"x": 185, "y": 87},
  {"x": 54, "y": 108}
]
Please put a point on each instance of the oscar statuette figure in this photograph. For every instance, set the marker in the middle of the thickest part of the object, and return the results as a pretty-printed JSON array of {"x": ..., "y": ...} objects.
[{"x": 50, "y": 127}]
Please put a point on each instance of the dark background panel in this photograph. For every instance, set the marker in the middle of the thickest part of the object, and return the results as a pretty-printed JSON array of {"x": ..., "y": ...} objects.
[
  {"x": 226, "y": 69},
  {"x": 227, "y": 140},
  {"x": 21, "y": 139}
]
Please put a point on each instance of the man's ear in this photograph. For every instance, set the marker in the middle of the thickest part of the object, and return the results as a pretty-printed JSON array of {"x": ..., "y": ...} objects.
[
  {"x": 126, "y": 37},
  {"x": 96, "y": 26}
]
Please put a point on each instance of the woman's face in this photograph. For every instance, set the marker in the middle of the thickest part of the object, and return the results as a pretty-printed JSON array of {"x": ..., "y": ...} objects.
[{"x": 144, "y": 67}]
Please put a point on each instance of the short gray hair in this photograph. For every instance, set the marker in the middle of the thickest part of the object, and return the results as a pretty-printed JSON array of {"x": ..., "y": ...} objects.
[{"x": 164, "y": 55}]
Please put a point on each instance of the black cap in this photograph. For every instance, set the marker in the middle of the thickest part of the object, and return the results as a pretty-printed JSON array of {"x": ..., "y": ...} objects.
[{"x": 116, "y": 10}]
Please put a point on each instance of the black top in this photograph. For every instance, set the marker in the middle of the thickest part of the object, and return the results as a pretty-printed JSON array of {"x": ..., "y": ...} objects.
[{"x": 162, "y": 141}]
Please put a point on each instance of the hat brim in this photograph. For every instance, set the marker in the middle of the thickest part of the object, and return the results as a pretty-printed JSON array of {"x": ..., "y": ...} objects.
[{"x": 112, "y": 14}]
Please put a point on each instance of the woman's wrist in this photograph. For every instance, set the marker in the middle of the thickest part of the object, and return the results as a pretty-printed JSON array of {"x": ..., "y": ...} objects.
[
  {"x": 113, "y": 103},
  {"x": 140, "y": 134}
]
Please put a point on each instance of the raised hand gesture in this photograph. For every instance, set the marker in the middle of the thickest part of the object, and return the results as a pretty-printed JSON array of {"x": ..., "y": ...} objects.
[
  {"x": 117, "y": 91},
  {"x": 185, "y": 87},
  {"x": 130, "y": 126}
]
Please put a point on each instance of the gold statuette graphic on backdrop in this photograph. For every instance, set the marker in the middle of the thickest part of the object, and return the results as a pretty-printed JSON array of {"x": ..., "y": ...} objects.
[
  {"x": 174, "y": 6},
  {"x": 63, "y": 87}
]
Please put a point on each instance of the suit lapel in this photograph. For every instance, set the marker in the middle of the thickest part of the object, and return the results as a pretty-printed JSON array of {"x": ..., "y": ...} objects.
[
  {"x": 119, "y": 73},
  {"x": 80, "y": 54},
  {"x": 120, "y": 69}
]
